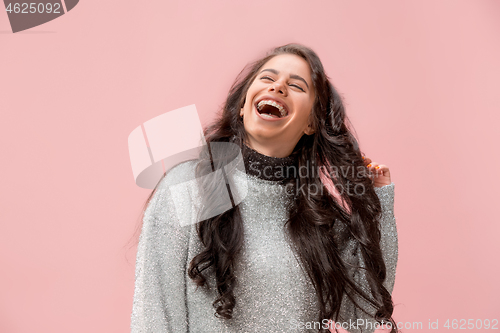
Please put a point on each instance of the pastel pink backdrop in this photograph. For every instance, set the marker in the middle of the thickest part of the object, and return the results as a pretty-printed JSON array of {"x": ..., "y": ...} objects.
[{"x": 420, "y": 79}]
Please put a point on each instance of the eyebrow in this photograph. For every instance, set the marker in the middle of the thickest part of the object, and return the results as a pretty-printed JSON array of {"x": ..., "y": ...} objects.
[{"x": 292, "y": 76}]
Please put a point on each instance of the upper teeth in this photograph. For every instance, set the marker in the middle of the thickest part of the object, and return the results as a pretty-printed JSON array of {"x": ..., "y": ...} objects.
[{"x": 273, "y": 103}]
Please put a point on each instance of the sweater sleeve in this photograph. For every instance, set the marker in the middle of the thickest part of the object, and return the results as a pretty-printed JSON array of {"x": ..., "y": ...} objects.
[
  {"x": 388, "y": 230},
  {"x": 355, "y": 320},
  {"x": 159, "y": 304}
]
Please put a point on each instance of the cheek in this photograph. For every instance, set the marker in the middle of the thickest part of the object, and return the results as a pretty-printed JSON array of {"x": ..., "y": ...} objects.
[
  {"x": 248, "y": 103},
  {"x": 249, "y": 99},
  {"x": 306, "y": 107}
]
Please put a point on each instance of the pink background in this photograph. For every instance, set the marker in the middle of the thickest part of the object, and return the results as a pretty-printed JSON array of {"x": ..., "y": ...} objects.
[{"x": 420, "y": 80}]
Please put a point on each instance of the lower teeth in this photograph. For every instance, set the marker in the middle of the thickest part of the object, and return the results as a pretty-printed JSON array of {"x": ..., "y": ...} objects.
[{"x": 268, "y": 115}]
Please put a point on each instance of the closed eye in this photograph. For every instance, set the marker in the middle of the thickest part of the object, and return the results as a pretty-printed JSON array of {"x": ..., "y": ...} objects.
[
  {"x": 294, "y": 85},
  {"x": 291, "y": 85}
]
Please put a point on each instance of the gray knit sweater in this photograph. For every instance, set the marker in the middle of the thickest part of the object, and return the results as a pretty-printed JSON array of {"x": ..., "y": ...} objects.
[{"x": 273, "y": 293}]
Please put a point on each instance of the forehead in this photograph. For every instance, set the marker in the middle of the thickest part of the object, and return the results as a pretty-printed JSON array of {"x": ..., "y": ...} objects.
[{"x": 289, "y": 64}]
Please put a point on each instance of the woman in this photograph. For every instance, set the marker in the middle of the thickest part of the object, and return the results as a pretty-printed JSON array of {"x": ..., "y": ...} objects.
[{"x": 309, "y": 235}]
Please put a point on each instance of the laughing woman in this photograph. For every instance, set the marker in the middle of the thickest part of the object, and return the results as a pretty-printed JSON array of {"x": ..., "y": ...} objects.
[{"x": 310, "y": 246}]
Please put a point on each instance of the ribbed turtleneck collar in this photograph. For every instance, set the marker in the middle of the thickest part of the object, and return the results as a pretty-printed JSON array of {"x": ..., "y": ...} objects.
[{"x": 269, "y": 168}]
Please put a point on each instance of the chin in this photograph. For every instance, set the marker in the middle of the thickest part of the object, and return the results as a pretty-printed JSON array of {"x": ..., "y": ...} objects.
[{"x": 260, "y": 133}]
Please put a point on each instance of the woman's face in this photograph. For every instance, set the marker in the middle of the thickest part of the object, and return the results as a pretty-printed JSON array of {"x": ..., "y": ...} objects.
[{"x": 278, "y": 105}]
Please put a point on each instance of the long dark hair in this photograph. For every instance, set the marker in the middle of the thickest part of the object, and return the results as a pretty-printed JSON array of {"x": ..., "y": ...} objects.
[
  {"x": 311, "y": 224},
  {"x": 317, "y": 239}
]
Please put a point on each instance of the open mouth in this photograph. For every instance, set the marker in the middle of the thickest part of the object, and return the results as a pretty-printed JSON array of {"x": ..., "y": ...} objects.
[{"x": 271, "y": 109}]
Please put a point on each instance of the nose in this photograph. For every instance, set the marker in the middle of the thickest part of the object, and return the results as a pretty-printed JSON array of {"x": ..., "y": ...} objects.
[{"x": 278, "y": 87}]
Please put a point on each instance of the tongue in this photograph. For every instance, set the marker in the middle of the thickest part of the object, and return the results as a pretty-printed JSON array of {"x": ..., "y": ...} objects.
[{"x": 269, "y": 111}]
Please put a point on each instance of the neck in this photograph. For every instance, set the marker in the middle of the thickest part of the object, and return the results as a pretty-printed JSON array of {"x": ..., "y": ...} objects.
[
  {"x": 269, "y": 167},
  {"x": 279, "y": 150}
]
